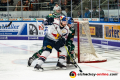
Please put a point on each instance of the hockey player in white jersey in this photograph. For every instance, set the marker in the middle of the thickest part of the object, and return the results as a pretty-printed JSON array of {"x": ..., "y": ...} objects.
[{"x": 55, "y": 38}]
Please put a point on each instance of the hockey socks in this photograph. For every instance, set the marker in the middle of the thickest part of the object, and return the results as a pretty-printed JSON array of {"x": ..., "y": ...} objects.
[
  {"x": 37, "y": 54},
  {"x": 43, "y": 57}
]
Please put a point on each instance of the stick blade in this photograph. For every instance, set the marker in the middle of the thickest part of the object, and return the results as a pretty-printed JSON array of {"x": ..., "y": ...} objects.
[
  {"x": 80, "y": 70},
  {"x": 9, "y": 24}
]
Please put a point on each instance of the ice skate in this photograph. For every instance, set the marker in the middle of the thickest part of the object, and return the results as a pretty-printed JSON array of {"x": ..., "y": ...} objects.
[
  {"x": 30, "y": 61},
  {"x": 69, "y": 62},
  {"x": 38, "y": 67},
  {"x": 59, "y": 65}
]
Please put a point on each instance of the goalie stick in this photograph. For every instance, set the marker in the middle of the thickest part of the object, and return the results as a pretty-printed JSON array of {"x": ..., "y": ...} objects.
[{"x": 8, "y": 24}]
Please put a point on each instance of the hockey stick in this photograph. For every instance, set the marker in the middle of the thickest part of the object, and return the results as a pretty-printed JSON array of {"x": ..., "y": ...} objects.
[
  {"x": 37, "y": 23},
  {"x": 76, "y": 65},
  {"x": 8, "y": 24}
]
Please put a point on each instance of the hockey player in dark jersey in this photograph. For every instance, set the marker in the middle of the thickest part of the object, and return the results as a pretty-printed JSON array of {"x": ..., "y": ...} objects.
[{"x": 69, "y": 42}]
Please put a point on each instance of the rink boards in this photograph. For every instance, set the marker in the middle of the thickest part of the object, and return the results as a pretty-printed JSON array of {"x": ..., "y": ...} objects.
[{"x": 107, "y": 33}]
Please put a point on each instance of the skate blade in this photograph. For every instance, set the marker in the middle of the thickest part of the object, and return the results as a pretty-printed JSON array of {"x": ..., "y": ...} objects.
[
  {"x": 64, "y": 68},
  {"x": 57, "y": 68},
  {"x": 41, "y": 70},
  {"x": 69, "y": 64},
  {"x": 28, "y": 65}
]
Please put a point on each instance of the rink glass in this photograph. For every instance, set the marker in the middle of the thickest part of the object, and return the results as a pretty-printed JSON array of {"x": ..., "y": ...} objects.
[{"x": 20, "y": 10}]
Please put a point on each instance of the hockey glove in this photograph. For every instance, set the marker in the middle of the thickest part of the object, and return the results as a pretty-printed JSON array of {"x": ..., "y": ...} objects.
[
  {"x": 61, "y": 42},
  {"x": 50, "y": 20},
  {"x": 69, "y": 48}
]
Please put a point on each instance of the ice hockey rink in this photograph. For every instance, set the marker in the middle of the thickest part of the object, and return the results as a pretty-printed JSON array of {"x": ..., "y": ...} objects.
[{"x": 15, "y": 53}]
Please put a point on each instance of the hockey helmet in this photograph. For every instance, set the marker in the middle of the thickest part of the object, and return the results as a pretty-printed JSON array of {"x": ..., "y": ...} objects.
[
  {"x": 57, "y": 8},
  {"x": 70, "y": 21},
  {"x": 63, "y": 18}
]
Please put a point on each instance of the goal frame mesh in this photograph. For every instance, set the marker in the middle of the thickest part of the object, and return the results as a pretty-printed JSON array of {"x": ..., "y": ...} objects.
[{"x": 78, "y": 44}]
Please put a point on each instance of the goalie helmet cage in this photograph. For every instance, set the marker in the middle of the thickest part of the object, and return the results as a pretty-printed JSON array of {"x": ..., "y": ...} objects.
[{"x": 84, "y": 48}]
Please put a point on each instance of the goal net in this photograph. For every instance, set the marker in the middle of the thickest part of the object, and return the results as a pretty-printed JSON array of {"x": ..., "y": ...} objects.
[{"x": 84, "y": 48}]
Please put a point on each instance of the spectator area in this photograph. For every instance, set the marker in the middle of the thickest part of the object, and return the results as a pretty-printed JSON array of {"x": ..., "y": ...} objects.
[{"x": 41, "y": 8}]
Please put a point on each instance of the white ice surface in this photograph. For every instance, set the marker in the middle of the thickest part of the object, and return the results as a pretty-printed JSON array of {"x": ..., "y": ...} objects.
[{"x": 15, "y": 53}]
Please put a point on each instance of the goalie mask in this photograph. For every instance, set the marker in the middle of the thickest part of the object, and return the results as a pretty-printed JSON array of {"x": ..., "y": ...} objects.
[{"x": 57, "y": 10}]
